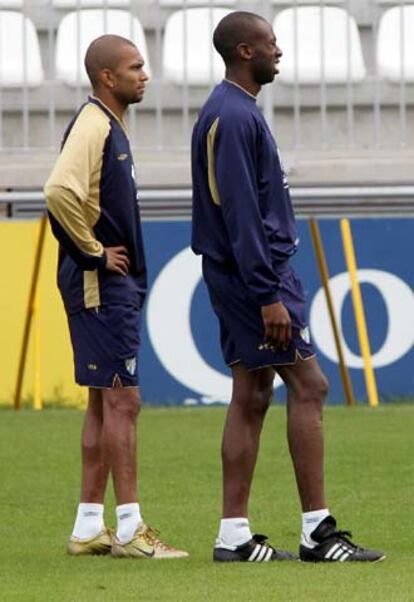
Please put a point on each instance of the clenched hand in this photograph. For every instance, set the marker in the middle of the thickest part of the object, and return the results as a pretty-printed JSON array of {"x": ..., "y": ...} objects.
[{"x": 277, "y": 326}]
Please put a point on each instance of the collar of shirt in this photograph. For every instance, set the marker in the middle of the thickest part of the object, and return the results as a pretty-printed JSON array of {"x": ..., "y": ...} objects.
[
  {"x": 120, "y": 121},
  {"x": 228, "y": 81}
]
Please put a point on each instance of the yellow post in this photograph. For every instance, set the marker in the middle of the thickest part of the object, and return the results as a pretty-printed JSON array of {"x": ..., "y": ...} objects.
[
  {"x": 359, "y": 313},
  {"x": 323, "y": 270},
  {"x": 29, "y": 313},
  {"x": 37, "y": 393}
]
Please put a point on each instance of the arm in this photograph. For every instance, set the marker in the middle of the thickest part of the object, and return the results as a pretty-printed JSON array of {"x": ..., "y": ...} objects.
[
  {"x": 84, "y": 249},
  {"x": 236, "y": 173},
  {"x": 71, "y": 229}
]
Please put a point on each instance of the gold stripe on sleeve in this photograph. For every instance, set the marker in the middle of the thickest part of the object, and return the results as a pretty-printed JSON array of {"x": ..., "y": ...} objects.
[
  {"x": 91, "y": 294},
  {"x": 78, "y": 166},
  {"x": 212, "y": 182},
  {"x": 73, "y": 189},
  {"x": 67, "y": 210}
]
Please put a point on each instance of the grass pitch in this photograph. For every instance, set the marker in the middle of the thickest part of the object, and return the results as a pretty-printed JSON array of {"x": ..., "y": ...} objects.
[{"x": 369, "y": 475}]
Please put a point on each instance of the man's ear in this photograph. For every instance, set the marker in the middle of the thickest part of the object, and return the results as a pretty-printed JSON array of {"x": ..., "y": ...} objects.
[
  {"x": 106, "y": 78},
  {"x": 244, "y": 51}
]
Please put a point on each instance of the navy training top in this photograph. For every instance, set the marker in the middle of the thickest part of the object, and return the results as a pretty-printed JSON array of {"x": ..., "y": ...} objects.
[
  {"x": 242, "y": 211},
  {"x": 93, "y": 203}
]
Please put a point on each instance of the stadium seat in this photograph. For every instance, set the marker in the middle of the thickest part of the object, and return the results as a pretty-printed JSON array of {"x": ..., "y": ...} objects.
[
  {"x": 91, "y": 3},
  {"x": 309, "y": 2},
  {"x": 319, "y": 29},
  {"x": 19, "y": 44},
  {"x": 188, "y": 54},
  {"x": 201, "y": 3},
  {"x": 395, "y": 44},
  {"x": 11, "y": 4},
  {"x": 77, "y": 30}
]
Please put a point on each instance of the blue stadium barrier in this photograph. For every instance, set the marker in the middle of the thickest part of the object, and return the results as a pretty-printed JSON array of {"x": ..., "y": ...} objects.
[{"x": 181, "y": 362}]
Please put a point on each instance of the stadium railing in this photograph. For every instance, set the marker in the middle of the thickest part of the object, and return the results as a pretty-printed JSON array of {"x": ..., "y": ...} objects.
[
  {"x": 309, "y": 201},
  {"x": 360, "y": 110}
]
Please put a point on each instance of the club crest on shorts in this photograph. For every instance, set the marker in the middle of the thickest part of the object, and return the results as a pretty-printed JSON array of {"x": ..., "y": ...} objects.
[
  {"x": 131, "y": 365},
  {"x": 304, "y": 333}
]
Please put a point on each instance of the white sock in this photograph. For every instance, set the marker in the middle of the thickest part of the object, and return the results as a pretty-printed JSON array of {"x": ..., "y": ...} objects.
[
  {"x": 89, "y": 521},
  {"x": 233, "y": 532},
  {"x": 129, "y": 518},
  {"x": 310, "y": 521}
]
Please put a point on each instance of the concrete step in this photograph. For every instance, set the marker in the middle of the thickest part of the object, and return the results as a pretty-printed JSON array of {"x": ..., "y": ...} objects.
[{"x": 171, "y": 169}]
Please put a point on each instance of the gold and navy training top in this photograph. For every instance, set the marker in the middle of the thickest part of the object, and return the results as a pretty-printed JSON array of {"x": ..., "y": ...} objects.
[
  {"x": 92, "y": 203},
  {"x": 242, "y": 211}
]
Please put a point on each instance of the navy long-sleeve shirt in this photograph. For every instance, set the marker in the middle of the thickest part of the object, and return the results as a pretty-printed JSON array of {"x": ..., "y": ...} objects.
[{"x": 242, "y": 212}]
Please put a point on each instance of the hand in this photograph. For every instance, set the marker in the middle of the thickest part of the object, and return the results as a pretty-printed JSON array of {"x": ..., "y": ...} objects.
[
  {"x": 117, "y": 260},
  {"x": 277, "y": 326}
]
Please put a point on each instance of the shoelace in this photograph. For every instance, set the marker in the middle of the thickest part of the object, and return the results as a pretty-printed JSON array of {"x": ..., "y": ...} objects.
[
  {"x": 152, "y": 537},
  {"x": 262, "y": 539},
  {"x": 345, "y": 535}
]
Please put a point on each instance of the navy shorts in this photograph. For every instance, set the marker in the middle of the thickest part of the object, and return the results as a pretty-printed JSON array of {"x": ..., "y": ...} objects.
[
  {"x": 240, "y": 318},
  {"x": 105, "y": 343}
]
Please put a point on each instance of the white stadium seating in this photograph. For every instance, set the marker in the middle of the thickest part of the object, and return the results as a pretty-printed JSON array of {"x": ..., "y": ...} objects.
[
  {"x": 326, "y": 111},
  {"x": 11, "y": 4},
  {"x": 79, "y": 28},
  {"x": 20, "y": 62},
  {"x": 91, "y": 3},
  {"x": 201, "y": 3},
  {"x": 188, "y": 54},
  {"x": 307, "y": 2},
  {"x": 395, "y": 44},
  {"x": 319, "y": 30}
]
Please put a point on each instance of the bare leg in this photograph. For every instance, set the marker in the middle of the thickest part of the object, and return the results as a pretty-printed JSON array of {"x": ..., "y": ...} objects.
[
  {"x": 252, "y": 392},
  {"x": 94, "y": 467},
  {"x": 307, "y": 388},
  {"x": 121, "y": 407}
]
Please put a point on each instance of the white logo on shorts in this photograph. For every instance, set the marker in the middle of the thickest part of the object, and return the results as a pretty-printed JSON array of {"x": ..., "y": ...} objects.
[
  {"x": 131, "y": 365},
  {"x": 304, "y": 333}
]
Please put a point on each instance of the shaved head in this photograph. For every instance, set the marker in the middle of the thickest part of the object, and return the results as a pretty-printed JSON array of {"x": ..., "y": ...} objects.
[
  {"x": 236, "y": 28},
  {"x": 104, "y": 53}
]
